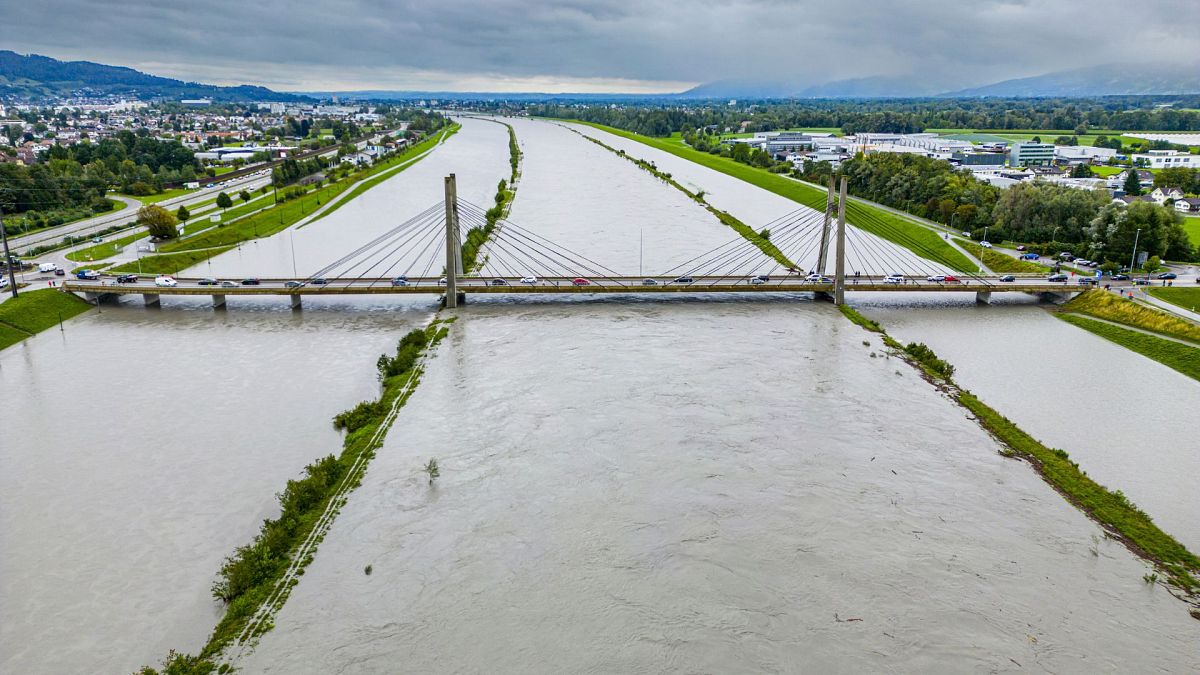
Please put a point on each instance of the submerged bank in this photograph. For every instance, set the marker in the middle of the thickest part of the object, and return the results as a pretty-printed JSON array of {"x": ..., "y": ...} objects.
[{"x": 32, "y": 312}]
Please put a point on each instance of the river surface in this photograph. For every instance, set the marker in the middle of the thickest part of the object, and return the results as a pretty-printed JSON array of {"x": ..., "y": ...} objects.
[
  {"x": 628, "y": 484},
  {"x": 1122, "y": 416}
]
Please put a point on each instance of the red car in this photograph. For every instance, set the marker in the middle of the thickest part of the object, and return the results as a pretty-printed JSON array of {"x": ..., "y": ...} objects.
[
  {"x": 951, "y": 280},
  {"x": 580, "y": 281}
]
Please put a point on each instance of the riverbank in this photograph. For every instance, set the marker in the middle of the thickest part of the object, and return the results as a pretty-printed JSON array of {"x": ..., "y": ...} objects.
[
  {"x": 32, "y": 312},
  {"x": 281, "y": 216},
  {"x": 506, "y": 192},
  {"x": 1110, "y": 508},
  {"x": 903, "y": 232},
  {"x": 256, "y": 579},
  {"x": 1107, "y": 306}
]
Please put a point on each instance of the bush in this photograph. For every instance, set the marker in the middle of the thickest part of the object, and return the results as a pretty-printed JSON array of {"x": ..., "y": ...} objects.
[
  {"x": 925, "y": 356},
  {"x": 359, "y": 416}
]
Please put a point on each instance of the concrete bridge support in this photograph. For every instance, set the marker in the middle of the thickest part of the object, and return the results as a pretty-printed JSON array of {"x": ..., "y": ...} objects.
[
  {"x": 983, "y": 297},
  {"x": 1056, "y": 298},
  {"x": 453, "y": 246},
  {"x": 96, "y": 298},
  {"x": 839, "y": 279},
  {"x": 295, "y": 301},
  {"x": 151, "y": 299},
  {"x": 823, "y": 252},
  {"x": 219, "y": 301}
]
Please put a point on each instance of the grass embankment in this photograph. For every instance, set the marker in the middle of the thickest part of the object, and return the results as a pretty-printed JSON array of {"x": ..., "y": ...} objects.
[
  {"x": 1001, "y": 263},
  {"x": 1104, "y": 305},
  {"x": 161, "y": 196},
  {"x": 268, "y": 221},
  {"x": 170, "y": 263},
  {"x": 1191, "y": 225},
  {"x": 255, "y": 580},
  {"x": 1187, "y": 298},
  {"x": 1174, "y": 355},
  {"x": 748, "y": 233},
  {"x": 1111, "y": 509},
  {"x": 32, "y": 312},
  {"x": 506, "y": 191},
  {"x": 877, "y": 221}
]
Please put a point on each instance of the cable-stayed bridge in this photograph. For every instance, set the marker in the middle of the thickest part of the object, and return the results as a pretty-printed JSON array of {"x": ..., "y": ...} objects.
[{"x": 804, "y": 251}]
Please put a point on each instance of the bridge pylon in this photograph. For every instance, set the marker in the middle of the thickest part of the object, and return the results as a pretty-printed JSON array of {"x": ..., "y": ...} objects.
[
  {"x": 453, "y": 244},
  {"x": 823, "y": 251},
  {"x": 839, "y": 279}
]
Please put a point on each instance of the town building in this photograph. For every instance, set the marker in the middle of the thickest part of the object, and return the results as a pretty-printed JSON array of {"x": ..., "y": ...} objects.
[
  {"x": 1166, "y": 159},
  {"x": 1031, "y": 154}
]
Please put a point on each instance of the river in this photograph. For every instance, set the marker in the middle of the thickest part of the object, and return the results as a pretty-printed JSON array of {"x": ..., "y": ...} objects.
[{"x": 628, "y": 484}]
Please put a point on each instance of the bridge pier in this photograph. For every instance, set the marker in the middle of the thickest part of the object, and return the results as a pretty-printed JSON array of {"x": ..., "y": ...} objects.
[
  {"x": 983, "y": 297},
  {"x": 96, "y": 298},
  {"x": 219, "y": 301},
  {"x": 295, "y": 297},
  {"x": 453, "y": 246},
  {"x": 1056, "y": 298},
  {"x": 839, "y": 279},
  {"x": 150, "y": 299}
]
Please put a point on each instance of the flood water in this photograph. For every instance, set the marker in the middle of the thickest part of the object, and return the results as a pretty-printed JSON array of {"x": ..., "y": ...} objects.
[
  {"x": 724, "y": 487},
  {"x": 628, "y": 484}
]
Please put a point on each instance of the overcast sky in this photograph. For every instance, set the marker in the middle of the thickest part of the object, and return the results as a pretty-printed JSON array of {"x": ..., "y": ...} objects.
[{"x": 597, "y": 45}]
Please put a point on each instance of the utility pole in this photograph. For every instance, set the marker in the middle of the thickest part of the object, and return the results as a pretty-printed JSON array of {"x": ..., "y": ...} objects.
[
  {"x": 8, "y": 261},
  {"x": 824, "y": 250},
  {"x": 839, "y": 280},
  {"x": 453, "y": 250}
]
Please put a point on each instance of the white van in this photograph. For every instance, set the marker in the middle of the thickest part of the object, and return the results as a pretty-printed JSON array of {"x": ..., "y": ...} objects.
[{"x": 47, "y": 267}]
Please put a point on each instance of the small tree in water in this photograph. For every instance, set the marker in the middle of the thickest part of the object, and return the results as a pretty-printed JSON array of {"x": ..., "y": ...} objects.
[{"x": 431, "y": 468}]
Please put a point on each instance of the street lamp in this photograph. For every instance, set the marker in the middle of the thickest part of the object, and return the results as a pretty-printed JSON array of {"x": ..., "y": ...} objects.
[{"x": 1133, "y": 256}]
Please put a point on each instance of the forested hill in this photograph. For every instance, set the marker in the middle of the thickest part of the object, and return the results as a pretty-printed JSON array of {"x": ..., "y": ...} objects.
[{"x": 42, "y": 78}]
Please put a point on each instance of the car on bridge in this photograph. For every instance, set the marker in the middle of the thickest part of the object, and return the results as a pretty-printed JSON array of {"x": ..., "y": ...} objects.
[
  {"x": 758, "y": 279},
  {"x": 1084, "y": 281},
  {"x": 319, "y": 281},
  {"x": 952, "y": 279},
  {"x": 1055, "y": 278},
  {"x": 292, "y": 284},
  {"x": 166, "y": 281},
  {"x": 649, "y": 282},
  {"x": 529, "y": 280},
  {"x": 580, "y": 281},
  {"x": 936, "y": 277},
  {"x": 894, "y": 279},
  {"x": 1008, "y": 278},
  {"x": 818, "y": 279},
  {"x": 228, "y": 284},
  {"x": 207, "y": 281},
  {"x": 127, "y": 279},
  {"x": 251, "y": 282},
  {"x": 683, "y": 280},
  {"x": 499, "y": 282},
  {"x": 400, "y": 281},
  {"x": 87, "y": 275}
]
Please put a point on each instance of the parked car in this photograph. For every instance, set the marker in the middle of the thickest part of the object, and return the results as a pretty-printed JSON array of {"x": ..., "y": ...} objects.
[
  {"x": 1008, "y": 278},
  {"x": 292, "y": 284},
  {"x": 166, "y": 281},
  {"x": 251, "y": 282},
  {"x": 207, "y": 281},
  {"x": 649, "y": 282},
  {"x": 1168, "y": 275},
  {"x": 1057, "y": 278},
  {"x": 127, "y": 279},
  {"x": 580, "y": 281}
]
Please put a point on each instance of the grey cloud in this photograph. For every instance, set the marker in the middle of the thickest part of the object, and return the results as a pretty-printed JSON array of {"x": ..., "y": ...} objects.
[{"x": 587, "y": 43}]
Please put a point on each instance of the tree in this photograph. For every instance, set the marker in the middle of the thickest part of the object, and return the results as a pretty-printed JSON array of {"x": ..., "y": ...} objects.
[
  {"x": 244, "y": 196},
  {"x": 1152, "y": 264},
  {"x": 223, "y": 201},
  {"x": 159, "y": 222},
  {"x": 1082, "y": 171},
  {"x": 1132, "y": 185},
  {"x": 182, "y": 213}
]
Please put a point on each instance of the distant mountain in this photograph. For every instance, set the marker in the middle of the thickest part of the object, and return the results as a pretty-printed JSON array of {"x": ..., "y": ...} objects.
[
  {"x": 740, "y": 88},
  {"x": 1105, "y": 80},
  {"x": 878, "y": 86},
  {"x": 42, "y": 78}
]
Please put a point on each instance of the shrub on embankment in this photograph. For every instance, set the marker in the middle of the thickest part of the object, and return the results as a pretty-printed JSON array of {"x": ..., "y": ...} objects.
[
  {"x": 32, "y": 312},
  {"x": 1110, "y": 508},
  {"x": 1105, "y": 305}
]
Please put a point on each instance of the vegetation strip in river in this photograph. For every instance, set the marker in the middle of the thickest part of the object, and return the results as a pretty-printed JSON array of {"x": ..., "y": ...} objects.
[
  {"x": 506, "y": 192},
  {"x": 256, "y": 580},
  {"x": 1111, "y": 509},
  {"x": 32, "y": 312},
  {"x": 1105, "y": 305},
  {"x": 265, "y": 222},
  {"x": 1172, "y": 354},
  {"x": 901, "y": 231},
  {"x": 757, "y": 238}
]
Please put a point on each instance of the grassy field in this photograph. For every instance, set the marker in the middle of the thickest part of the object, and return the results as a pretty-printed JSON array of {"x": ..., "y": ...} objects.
[
  {"x": 1104, "y": 305},
  {"x": 836, "y": 131},
  {"x": 1047, "y": 135},
  {"x": 1187, "y": 298},
  {"x": 34, "y": 311},
  {"x": 1001, "y": 263},
  {"x": 1176, "y": 356},
  {"x": 162, "y": 196},
  {"x": 170, "y": 263},
  {"x": 896, "y": 229},
  {"x": 1192, "y": 225},
  {"x": 1106, "y": 171}
]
